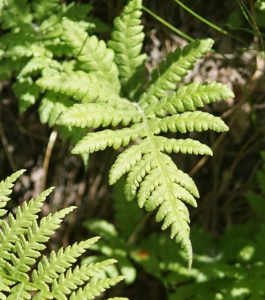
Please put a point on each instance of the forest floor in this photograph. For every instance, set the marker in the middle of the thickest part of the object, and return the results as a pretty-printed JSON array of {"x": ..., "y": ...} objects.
[{"x": 223, "y": 180}]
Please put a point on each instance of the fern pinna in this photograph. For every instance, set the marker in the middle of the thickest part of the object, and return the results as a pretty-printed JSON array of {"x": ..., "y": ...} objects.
[
  {"x": 22, "y": 239},
  {"x": 110, "y": 87}
]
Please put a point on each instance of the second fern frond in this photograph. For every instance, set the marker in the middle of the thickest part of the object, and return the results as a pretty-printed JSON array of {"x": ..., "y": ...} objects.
[{"x": 22, "y": 239}]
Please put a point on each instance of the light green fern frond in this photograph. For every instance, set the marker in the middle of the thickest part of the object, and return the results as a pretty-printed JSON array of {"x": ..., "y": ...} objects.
[
  {"x": 153, "y": 178},
  {"x": 28, "y": 250},
  {"x": 93, "y": 54},
  {"x": 93, "y": 289},
  {"x": 22, "y": 239},
  {"x": 126, "y": 41},
  {"x": 53, "y": 271},
  {"x": 25, "y": 217}
]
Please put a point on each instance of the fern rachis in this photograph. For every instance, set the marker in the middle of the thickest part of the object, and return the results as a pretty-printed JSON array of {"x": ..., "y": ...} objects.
[{"x": 153, "y": 178}]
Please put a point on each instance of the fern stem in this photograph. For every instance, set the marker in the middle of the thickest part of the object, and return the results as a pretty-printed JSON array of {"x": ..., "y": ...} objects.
[
  {"x": 179, "y": 32},
  {"x": 47, "y": 157},
  {"x": 138, "y": 107},
  {"x": 251, "y": 18}
]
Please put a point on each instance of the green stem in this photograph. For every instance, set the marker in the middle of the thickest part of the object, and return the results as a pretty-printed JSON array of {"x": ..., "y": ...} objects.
[
  {"x": 179, "y": 32},
  {"x": 209, "y": 23}
]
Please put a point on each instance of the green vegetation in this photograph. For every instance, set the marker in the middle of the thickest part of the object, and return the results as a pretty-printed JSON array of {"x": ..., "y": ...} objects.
[
  {"x": 107, "y": 91},
  {"x": 97, "y": 87},
  {"x": 22, "y": 239}
]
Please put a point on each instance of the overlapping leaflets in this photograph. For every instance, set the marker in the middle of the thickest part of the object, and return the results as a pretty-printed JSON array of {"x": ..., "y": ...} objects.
[{"x": 23, "y": 275}]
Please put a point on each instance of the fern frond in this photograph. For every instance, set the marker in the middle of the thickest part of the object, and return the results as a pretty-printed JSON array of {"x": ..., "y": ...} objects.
[
  {"x": 92, "y": 53},
  {"x": 128, "y": 159},
  {"x": 5, "y": 190},
  {"x": 131, "y": 156},
  {"x": 173, "y": 69},
  {"x": 25, "y": 216},
  {"x": 187, "y": 146},
  {"x": 99, "y": 114},
  {"x": 48, "y": 271},
  {"x": 188, "y": 98},
  {"x": 65, "y": 284},
  {"x": 22, "y": 239},
  {"x": 94, "y": 289},
  {"x": 152, "y": 178},
  {"x": 28, "y": 251},
  {"x": 127, "y": 41}
]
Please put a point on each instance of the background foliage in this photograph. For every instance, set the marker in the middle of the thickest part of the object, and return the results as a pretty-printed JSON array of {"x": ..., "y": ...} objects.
[{"x": 229, "y": 221}]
